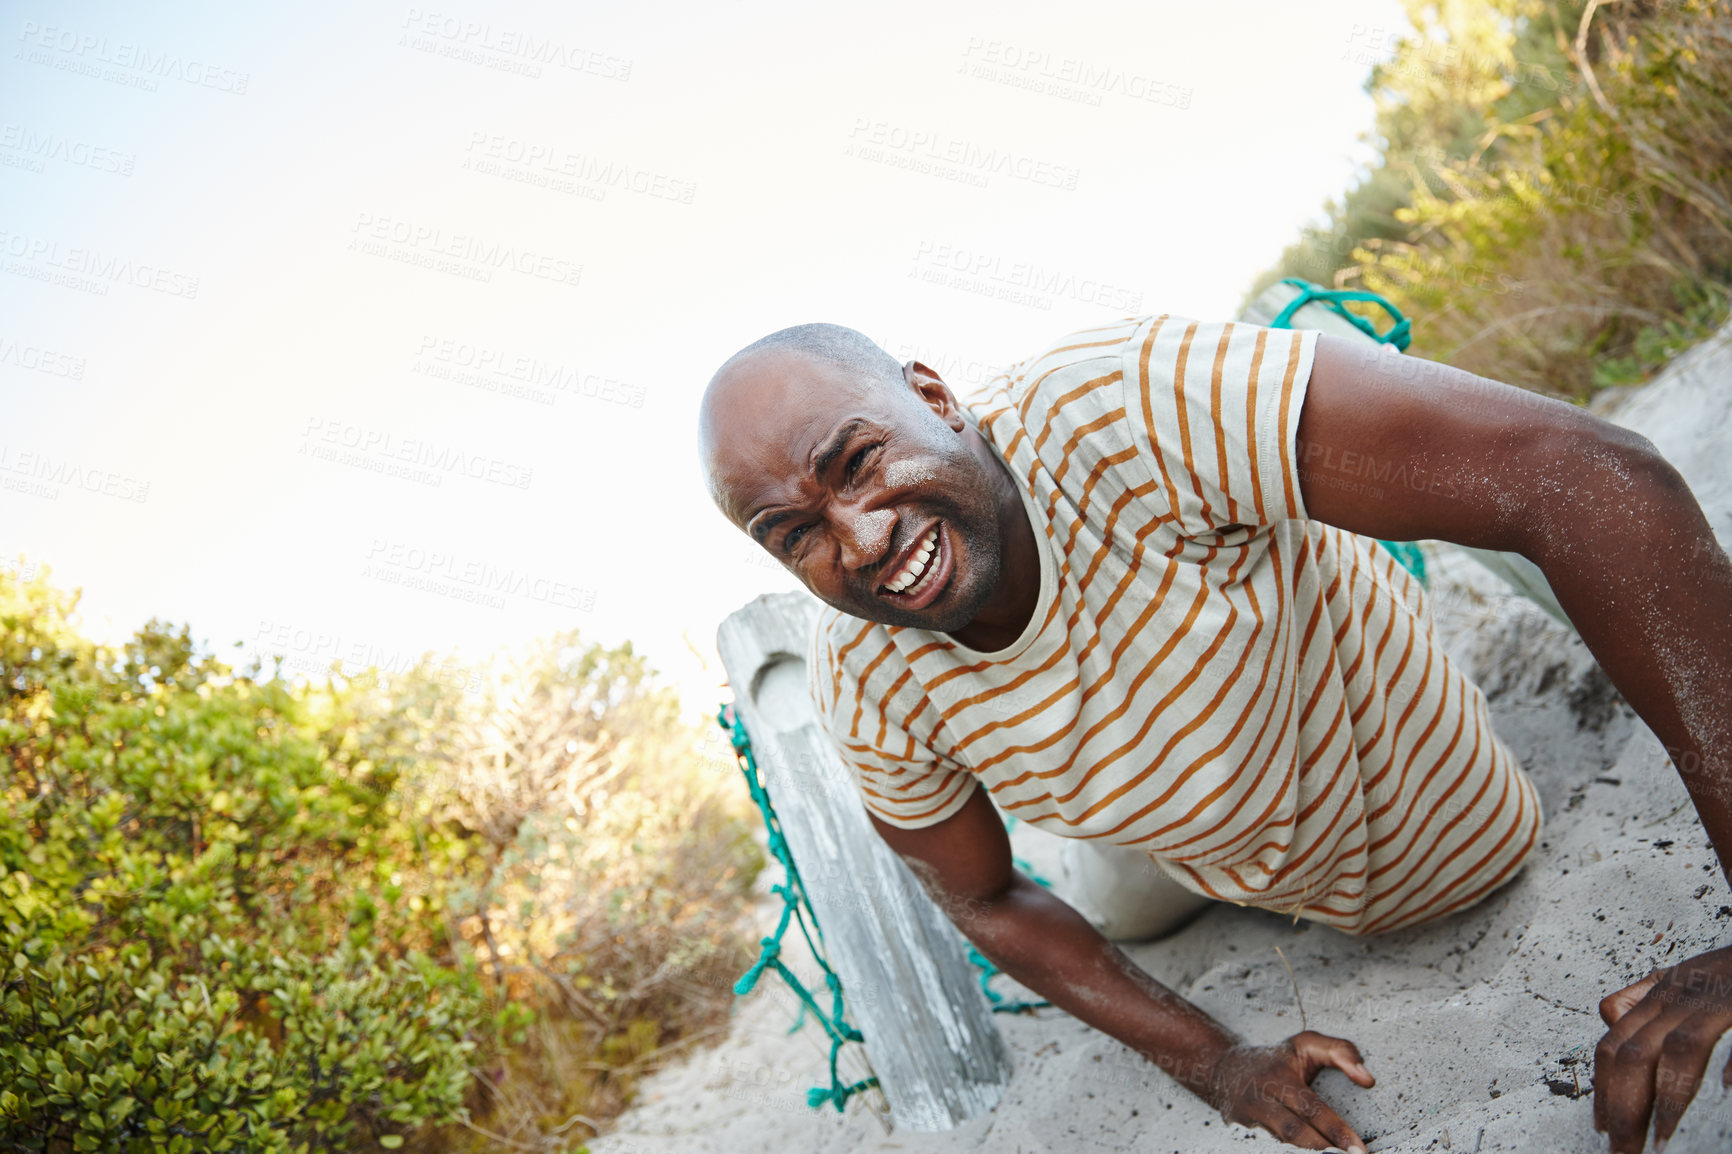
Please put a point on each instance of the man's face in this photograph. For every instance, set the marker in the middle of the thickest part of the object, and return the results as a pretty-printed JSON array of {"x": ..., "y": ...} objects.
[{"x": 869, "y": 493}]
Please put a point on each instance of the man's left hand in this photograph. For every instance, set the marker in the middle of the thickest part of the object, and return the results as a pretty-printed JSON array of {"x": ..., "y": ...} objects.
[{"x": 1651, "y": 1061}]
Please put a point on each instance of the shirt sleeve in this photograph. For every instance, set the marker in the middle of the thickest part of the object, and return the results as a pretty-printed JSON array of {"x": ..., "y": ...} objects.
[
  {"x": 901, "y": 780},
  {"x": 1214, "y": 408}
]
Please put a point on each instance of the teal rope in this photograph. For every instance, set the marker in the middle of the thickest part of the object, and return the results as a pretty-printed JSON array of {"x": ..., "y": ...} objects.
[
  {"x": 1000, "y": 1005},
  {"x": 1408, "y": 554},
  {"x": 1398, "y": 334},
  {"x": 796, "y": 910}
]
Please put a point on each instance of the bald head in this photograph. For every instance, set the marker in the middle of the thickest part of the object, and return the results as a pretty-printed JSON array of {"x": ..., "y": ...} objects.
[
  {"x": 847, "y": 349},
  {"x": 806, "y": 370},
  {"x": 825, "y": 361}
]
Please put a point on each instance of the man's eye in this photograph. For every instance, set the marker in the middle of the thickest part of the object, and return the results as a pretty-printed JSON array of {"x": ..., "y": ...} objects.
[
  {"x": 859, "y": 459},
  {"x": 791, "y": 540}
]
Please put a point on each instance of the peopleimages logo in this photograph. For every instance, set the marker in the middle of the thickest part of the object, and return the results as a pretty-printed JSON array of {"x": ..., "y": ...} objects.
[
  {"x": 505, "y": 49},
  {"x": 303, "y": 649},
  {"x": 37, "y": 147},
  {"x": 1021, "y": 282},
  {"x": 85, "y": 53},
  {"x": 549, "y": 165},
  {"x": 924, "y": 150},
  {"x": 43, "y": 258},
  {"x": 40, "y": 360},
  {"x": 41, "y": 474},
  {"x": 429, "y": 461},
  {"x": 952, "y": 368},
  {"x": 467, "y": 579},
  {"x": 1066, "y": 77},
  {"x": 461, "y": 254},
  {"x": 519, "y": 374}
]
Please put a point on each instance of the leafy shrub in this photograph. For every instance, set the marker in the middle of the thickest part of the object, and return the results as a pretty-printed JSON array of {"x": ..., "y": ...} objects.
[
  {"x": 176, "y": 974},
  {"x": 261, "y": 1051},
  {"x": 239, "y": 914}
]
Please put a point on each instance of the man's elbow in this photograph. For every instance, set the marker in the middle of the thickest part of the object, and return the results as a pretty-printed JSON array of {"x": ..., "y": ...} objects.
[
  {"x": 996, "y": 923},
  {"x": 973, "y": 906},
  {"x": 1626, "y": 452},
  {"x": 1591, "y": 477}
]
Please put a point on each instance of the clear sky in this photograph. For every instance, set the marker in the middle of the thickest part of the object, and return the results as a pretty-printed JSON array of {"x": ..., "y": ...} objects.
[{"x": 351, "y": 330}]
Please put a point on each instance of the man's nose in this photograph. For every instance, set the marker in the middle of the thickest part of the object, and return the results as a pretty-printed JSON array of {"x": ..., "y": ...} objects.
[{"x": 864, "y": 535}]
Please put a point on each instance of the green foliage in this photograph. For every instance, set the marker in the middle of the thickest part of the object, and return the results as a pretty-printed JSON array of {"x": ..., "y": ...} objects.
[
  {"x": 178, "y": 974},
  {"x": 1553, "y": 200},
  {"x": 262, "y": 1051},
  {"x": 244, "y": 915}
]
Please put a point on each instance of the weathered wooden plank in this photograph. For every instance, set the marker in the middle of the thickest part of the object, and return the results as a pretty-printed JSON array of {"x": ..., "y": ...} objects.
[{"x": 904, "y": 968}]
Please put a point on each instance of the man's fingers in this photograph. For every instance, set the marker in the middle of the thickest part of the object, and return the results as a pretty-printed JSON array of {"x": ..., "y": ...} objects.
[
  {"x": 1319, "y": 1051},
  {"x": 1291, "y": 1128},
  {"x": 1653, "y": 1058},
  {"x": 1683, "y": 1060},
  {"x": 1325, "y": 1121},
  {"x": 1629, "y": 1085},
  {"x": 1617, "y": 1003},
  {"x": 1606, "y": 1062}
]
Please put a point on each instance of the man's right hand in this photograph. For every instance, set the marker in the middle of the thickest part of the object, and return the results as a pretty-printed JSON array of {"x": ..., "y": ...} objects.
[
  {"x": 964, "y": 861},
  {"x": 1270, "y": 1086}
]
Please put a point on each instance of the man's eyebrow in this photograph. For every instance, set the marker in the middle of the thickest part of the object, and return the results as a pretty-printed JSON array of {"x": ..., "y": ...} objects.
[
  {"x": 822, "y": 462},
  {"x": 762, "y": 527}
]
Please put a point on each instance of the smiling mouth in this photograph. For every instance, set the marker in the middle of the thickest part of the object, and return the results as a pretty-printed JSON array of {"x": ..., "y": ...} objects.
[{"x": 919, "y": 571}]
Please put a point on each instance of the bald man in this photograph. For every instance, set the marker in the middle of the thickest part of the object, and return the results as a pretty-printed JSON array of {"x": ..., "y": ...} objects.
[{"x": 1132, "y": 591}]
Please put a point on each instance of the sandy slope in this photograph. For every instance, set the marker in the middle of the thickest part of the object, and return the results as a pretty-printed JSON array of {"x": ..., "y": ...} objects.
[{"x": 1479, "y": 1028}]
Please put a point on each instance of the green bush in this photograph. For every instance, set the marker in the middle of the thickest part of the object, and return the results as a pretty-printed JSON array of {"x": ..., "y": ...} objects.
[
  {"x": 177, "y": 974},
  {"x": 240, "y": 914},
  {"x": 252, "y": 1050}
]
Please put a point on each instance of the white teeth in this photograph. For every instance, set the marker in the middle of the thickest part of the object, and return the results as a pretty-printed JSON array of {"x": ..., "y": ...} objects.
[{"x": 916, "y": 567}]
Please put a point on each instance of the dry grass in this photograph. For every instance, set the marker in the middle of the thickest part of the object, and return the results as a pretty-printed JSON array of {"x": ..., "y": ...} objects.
[
  {"x": 610, "y": 865},
  {"x": 1603, "y": 243},
  {"x": 1575, "y": 245}
]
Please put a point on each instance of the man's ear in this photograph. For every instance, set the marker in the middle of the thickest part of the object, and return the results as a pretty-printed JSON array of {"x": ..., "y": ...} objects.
[{"x": 934, "y": 393}]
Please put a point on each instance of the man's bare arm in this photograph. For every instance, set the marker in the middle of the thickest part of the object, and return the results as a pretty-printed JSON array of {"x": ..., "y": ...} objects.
[
  {"x": 1634, "y": 564},
  {"x": 965, "y": 864}
]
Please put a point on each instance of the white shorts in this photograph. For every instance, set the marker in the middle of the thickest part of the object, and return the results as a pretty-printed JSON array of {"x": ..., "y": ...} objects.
[{"x": 1121, "y": 891}]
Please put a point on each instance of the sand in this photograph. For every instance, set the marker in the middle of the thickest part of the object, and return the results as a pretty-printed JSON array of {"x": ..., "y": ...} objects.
[{"x": 1480, "y": 1028}]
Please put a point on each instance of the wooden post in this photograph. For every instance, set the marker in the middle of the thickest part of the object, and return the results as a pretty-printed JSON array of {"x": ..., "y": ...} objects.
[{"x": 904, "y": 968}]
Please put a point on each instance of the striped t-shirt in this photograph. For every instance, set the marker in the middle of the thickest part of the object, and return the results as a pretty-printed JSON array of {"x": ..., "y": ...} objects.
[{"x": 1257, "y": 700}]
